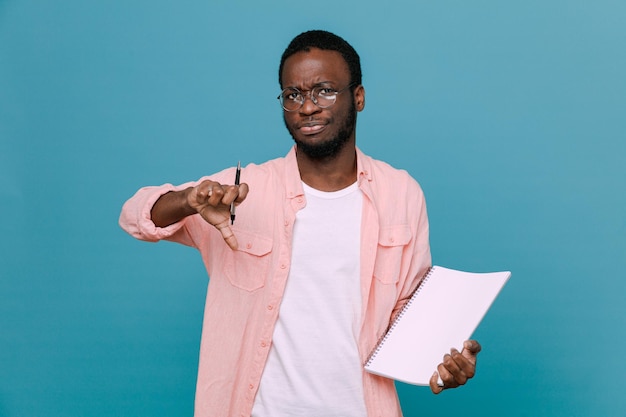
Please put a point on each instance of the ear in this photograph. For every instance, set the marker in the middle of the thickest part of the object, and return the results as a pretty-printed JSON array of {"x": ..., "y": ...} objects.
[{"x": 359, "y": 98}]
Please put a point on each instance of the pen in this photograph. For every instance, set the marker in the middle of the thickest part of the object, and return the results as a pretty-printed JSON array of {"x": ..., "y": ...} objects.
[{"x": 232, "y": 205}]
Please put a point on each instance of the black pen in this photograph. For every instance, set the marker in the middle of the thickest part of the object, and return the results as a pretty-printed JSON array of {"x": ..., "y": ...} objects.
[{"x": 232, "y": 205}]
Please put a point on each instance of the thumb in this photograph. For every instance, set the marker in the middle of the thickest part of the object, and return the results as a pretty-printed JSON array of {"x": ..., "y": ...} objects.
[
  {"x": 227, "y": 234},
  {"x": 471, "y": 349},
  {"x": 435, "y": 386}
]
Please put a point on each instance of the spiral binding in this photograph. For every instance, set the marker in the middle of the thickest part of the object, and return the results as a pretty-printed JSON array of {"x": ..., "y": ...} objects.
[{"x": 383, "y": 338}]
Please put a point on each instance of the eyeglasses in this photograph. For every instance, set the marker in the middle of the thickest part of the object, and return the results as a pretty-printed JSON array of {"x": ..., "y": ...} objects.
[{"x": 292, "y": 99}]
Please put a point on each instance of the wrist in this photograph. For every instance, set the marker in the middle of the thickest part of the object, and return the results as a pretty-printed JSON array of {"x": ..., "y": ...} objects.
[{"x": 186, "y": 195}]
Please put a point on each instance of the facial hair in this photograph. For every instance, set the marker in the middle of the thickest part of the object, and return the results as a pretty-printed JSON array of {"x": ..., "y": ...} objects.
[{"x": 330, "y": 148}]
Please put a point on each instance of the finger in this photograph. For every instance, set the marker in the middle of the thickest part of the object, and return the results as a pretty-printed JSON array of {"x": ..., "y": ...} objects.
[
  {"x": 446, "y": 376},
  {"x": 243, "y": 193},
  {"x": 467, "y": 362},
  {"x": 235, "y": 194},
  {"x": 216, "y": 194},
  {"x": 231, "y": 194},
  {"x": 434, "y": 384},
  {"x": 454, "y": 363},
  {"x": 227, "y": 234},
  {"x": 457, "y": 365},
  {"x": 471, "y": 348},
  {"x": 203, "y": 192},
  {"x": 198, "y": 194}
]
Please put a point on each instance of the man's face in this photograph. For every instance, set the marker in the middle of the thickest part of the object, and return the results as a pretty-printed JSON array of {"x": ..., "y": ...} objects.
[{"x": 320, "y": 133}]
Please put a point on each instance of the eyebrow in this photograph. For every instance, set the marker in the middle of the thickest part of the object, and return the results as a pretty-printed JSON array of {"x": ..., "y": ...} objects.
[{"x": 320, "y": 84}]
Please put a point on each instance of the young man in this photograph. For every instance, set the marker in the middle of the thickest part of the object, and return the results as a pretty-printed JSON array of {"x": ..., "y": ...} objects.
[{"x": 327, "y": 246}]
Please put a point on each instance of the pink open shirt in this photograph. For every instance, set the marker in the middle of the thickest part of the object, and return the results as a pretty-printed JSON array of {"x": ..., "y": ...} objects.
[{"x": 246, "y": 285}]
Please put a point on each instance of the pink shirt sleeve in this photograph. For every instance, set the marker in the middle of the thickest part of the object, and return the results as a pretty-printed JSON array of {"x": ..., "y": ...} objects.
[{"x": 136, "y": 219}]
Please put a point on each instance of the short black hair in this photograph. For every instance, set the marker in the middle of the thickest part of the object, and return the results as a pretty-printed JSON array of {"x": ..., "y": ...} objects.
[{"x": 327, "y": 41}]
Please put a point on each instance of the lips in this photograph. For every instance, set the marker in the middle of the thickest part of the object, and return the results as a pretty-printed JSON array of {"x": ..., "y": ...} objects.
[{"x": 312, "y": 128}]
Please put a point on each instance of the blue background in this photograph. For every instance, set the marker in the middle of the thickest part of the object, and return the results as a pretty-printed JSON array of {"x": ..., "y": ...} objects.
[{"x": 512, "y": 116}]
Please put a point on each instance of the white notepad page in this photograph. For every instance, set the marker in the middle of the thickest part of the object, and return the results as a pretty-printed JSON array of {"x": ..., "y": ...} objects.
[{"x": 443, "y": 312}]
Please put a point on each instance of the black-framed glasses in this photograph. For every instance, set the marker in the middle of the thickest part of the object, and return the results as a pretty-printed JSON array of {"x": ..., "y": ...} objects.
[{"x": 292, "y": 99}]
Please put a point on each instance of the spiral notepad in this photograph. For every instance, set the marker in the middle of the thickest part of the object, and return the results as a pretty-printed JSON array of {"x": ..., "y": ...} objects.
[{"x": 442, "y": 313}]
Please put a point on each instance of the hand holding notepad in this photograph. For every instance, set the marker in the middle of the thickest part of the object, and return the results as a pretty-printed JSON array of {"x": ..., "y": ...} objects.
[
  {"x": 443, "y": 312},
  {"x": 456, "y": 367}
]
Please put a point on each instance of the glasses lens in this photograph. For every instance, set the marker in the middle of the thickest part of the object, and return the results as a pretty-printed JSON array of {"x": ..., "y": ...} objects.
[
  {"x": 324, "y": 97},
  {"x": 291, "y": 99}
]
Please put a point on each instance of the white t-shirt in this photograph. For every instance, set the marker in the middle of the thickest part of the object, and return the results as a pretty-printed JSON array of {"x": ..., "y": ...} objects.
[{"x": 313, "y": 368}]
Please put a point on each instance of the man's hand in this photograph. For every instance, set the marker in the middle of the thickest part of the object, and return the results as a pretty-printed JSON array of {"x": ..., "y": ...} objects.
[
  {"x": 212, "y": 201},
  {"x": 456, "y": 368}
]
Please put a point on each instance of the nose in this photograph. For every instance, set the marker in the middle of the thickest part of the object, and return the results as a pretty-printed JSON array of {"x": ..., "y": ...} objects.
[{"x": 309, "y": 106}]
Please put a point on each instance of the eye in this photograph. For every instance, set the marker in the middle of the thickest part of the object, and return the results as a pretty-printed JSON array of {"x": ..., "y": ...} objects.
[
  {"x": 292, "y": 95},
  {"x": 326, "y": 91}
]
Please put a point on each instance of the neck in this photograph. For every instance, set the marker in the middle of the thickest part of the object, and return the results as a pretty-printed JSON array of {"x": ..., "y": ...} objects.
[{"x": 329, "y": 174}]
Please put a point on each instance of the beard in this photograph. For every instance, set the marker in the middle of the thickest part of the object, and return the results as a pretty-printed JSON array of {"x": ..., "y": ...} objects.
[{"x": 330, "y": 148}]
